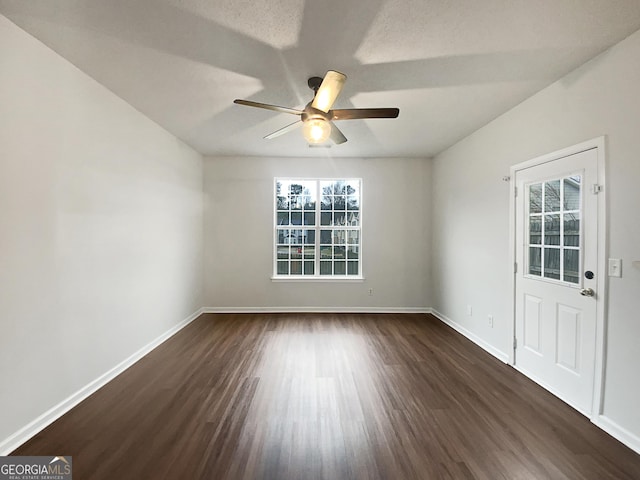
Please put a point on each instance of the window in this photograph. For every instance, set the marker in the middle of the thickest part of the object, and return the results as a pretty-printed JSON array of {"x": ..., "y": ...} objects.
[
  {"x": 554, "y": 229},
  {"x": 317, "y": 228}
]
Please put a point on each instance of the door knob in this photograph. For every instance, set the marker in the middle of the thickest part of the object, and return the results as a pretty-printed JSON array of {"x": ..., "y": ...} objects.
[{"x": 587, "y": 292}]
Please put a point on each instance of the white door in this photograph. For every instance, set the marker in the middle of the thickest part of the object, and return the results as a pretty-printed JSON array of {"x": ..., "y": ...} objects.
[{"x": 556, "y": 277}]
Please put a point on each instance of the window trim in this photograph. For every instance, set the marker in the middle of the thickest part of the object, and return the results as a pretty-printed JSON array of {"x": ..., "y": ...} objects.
[{"x": 316, "y": 277}]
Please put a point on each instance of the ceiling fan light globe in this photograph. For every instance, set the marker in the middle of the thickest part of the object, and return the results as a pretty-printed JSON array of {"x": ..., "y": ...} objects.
[{"x": 316, "y": 131}]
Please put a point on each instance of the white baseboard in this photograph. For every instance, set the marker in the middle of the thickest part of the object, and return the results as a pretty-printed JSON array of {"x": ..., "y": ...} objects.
[
  {"x": 619, "y": 433},
  {"x": 316, "y": 310},
  {"x": 500, "y": 355},
  {"x": 25, "y": 433}
]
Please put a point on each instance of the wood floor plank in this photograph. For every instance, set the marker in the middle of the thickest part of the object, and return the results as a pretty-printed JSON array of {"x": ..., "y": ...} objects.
[{"x": 327, "y": 396}]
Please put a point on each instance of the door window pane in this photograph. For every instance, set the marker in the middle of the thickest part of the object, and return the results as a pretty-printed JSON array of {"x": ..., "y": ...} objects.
[
  {"x": 571, "y": 229},
  {"x": 535, "y": 230},
  {"x": 535, "y": 259},
  {"x": 535, "y": 198},
  {"x": 552, "y": 196},
  {"x": 572, "y": 193},
  {"x": 552, "y": 263},
  {"x": 572, "y": 266},
  {"x": 552, "y": 229}
]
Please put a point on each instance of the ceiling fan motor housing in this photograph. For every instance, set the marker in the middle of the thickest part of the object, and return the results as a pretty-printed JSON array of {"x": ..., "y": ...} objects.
[{"x": 310, "y": 113}]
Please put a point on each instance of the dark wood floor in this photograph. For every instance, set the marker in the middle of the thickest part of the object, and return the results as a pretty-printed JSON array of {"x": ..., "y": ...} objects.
[{"x": 339, "y": 396}]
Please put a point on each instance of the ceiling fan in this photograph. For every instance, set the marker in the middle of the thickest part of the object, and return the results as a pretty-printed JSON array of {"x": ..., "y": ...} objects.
[{"x": 317, "y": 117}]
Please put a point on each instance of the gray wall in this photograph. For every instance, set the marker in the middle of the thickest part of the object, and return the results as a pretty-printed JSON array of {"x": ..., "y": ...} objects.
[
  {"x": 239, "y": 234},
  {"x": 471, "y": 222},
  {"x": 100, "y": 230}
]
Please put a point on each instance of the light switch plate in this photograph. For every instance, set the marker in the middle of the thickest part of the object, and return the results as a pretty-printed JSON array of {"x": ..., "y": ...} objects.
[{"x": 615, "y": 267}]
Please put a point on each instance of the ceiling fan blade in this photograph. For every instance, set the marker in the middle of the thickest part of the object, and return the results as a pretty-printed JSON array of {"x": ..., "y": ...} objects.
[
  {"x": 355, "y": 113},
  {"x": 284, "y": 130},
  {"x": 336, "y": 135},
  {"x": 267, "y": 106},
  {"x": 329, "y": 90}
]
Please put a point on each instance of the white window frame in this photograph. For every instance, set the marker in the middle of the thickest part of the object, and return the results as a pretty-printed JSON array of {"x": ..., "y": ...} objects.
[{"x": 316, "y": 277}]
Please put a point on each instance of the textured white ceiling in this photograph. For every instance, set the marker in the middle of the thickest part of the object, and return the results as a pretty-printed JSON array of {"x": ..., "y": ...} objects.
[{"x": 451, "y": 66}]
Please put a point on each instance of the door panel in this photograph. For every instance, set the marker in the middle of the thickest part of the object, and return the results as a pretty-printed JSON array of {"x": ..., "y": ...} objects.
[
  {"x": 556, "y": 242},
  {"x": 532, "y": 314},
  {"x": 568, "y": 344}
]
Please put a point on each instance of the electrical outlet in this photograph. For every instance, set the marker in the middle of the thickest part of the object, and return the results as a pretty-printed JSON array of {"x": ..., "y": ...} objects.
[
  {"x": 371, "y": 292},
  {"x": 469, "y": 310},
  {"x": 490, "y": 317}
]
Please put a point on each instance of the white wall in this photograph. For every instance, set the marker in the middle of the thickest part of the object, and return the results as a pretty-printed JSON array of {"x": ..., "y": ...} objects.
[
  {"x": 470, "y": 203},
  {"x": 100, "y": 230},
  {"x": 239, "y": 234}
]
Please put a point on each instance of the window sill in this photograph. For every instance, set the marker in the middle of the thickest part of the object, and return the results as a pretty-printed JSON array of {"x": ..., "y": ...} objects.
[{"x": 323, "y": 279}]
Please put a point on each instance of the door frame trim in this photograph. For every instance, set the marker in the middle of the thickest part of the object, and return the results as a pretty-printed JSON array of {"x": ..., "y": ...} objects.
[{"x": 598, "y": 143}]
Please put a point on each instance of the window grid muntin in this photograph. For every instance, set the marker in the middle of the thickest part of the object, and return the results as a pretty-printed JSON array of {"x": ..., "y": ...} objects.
[
  {"x": 344, "y": 225},
  {"x": 542, "y": 212}
]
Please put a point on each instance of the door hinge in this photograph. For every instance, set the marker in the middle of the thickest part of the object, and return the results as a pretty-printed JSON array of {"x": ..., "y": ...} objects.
[
  {"x": 515, "y": 191},
  {"x": 595, "y": 188},
  {"x": 515, "y": 343},
  {"x": 515, "y": 267}
]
